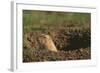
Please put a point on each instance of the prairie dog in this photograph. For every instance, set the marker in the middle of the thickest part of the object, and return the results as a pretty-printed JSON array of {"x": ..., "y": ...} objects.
[{"x": 47, "y": 42}]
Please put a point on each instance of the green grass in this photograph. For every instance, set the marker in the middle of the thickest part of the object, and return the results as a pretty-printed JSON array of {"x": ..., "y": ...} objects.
[{"x": 44, "y": 19}]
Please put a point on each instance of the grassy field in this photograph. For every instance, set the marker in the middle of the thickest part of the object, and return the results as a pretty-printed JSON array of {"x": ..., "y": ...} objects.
[
  {"x": 33, "y": 20},
  {"x": 70, "y": 32}
]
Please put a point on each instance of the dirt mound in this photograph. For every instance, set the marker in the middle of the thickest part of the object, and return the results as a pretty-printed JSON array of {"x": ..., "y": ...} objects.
[
  {"x": 71, "y": 45},
  {"x": 39, "y": 41},
  {"x": 61, "y": 39},
  {"x": 70, "y": 40}
]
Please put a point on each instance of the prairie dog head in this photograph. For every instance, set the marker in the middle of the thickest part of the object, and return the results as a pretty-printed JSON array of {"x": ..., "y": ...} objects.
[
  {"x": 44, "y": 38},
  {"x": 47, "y": 42}
]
